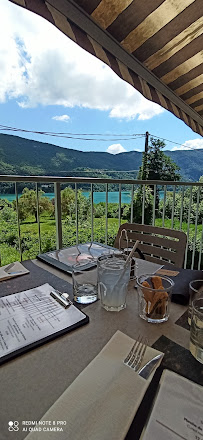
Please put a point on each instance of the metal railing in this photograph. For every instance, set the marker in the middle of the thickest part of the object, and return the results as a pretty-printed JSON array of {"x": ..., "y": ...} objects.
[{"x": 175, "y": 192}]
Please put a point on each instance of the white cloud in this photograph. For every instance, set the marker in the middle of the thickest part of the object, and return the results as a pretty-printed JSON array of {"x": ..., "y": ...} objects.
[
  {"x": 193, "y": 144},
  {"x": 63, "y": 118},
  {"x": 115, "y": 149},
  {"x": 134, "y": 105},
  {"x": 41, "y": 66}
]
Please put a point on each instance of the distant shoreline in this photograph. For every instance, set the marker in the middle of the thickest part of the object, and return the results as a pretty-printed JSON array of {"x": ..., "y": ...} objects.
[{"x": 113, "y": 196}]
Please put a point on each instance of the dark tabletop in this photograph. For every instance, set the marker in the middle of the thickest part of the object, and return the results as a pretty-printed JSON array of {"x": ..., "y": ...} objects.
[
  {"x": 35, "y": 278},
  {"x": 181, "y": 288},
  {"x": 89, "y": 340}
]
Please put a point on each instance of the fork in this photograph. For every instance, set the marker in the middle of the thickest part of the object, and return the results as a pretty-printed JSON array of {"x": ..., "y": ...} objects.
[{"x": 136, "y": 354}]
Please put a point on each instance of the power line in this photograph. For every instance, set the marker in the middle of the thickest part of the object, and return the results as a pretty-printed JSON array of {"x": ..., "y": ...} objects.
[
  {"x": 173, "y": 142},
  {"x": 162, "y": 139},
  {"x": 74, "y": 135}
]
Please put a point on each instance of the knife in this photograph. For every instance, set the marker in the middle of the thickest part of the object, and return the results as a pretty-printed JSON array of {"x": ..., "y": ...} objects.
[
  {"x": 7, "y": 268},
  {"x": 15, "y": 273},
  {"x": 147, "y": 369}
]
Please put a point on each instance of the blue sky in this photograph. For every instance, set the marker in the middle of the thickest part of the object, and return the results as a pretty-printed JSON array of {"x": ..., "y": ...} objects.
[{"x": 48, "y": 83}]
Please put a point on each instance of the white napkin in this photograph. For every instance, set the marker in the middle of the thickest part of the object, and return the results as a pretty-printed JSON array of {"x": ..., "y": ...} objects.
[
  {"x": 12, "y": 270},
  {"x": 102, "y": 401},
  {"x": 144, "y": 266},
  {"x": 177, "y": 412}
]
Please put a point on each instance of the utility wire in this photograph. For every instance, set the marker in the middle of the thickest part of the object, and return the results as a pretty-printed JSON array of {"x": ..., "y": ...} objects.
[
  {"x": 74, "y": 136},
  {"x": 173, "y": 142}
]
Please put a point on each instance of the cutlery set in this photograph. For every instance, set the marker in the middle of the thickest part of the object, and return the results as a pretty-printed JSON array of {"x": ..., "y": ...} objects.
[
  {"x": 149, "y": 367},
  {"x": 8, "y": 269},
  {"x": 136, "y": 355},
  {"x": 12, "y": 270}
]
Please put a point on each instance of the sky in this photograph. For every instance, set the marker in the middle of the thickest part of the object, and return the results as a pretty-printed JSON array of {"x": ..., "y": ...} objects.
[{"x": 48, "y": 83}]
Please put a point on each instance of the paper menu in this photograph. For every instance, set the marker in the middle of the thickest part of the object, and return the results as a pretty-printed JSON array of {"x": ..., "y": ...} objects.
[
  {"x": 178, "y": 410},
  {"x": 30, "y": 316}
]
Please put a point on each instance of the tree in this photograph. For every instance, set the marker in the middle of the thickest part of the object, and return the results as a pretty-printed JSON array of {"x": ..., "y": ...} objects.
[
  {"x": 28, "y": 204},
  {"x": 187, "y": 201},
  {"x": 137, "y": 206},
  {"x": 68, "y": 203},
  {"x": 158, "y": 165}
]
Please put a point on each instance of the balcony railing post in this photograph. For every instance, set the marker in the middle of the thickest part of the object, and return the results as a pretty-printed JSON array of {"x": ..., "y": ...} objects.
[
  {"x": 143, "y": 204},
  {"x": 180, "y": 215},
  {"x": 18, "y": 221},
  {"x": 173, "y": 208},
  {"x": 181, "y": 208},
  {"x": 38, "y": 215},
  {"x": 92, "y": 213},
  {"x": 164, "y": 207},
  {"x": 106, "y": 213},
  {"x": 57, "y": 192},
  {"x": 131, "y": 209},
  {"x": 76, "y": 211},
  {"x": 200, "y": 250},
  {"x": 119, "y": 206},
  {"x": 154, "y": 207},
  {"x": 188, "y": 227},
  {"x": 196, "y": 221}
]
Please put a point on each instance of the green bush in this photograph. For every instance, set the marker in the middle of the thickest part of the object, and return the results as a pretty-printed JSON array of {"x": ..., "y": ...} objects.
[
  {"x": 137, "y": 206},
  {"x": 29, "y": 228},
  {"x": 186, "y": 204}
]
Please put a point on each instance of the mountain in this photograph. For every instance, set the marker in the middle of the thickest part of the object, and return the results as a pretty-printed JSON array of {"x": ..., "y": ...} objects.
[
  {"x": 190, "y": 163},
  {"x": 28, "y": 157}
]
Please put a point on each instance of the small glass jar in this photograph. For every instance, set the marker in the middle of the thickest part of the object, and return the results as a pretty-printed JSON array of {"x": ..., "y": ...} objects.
[{"x": 154, "y": 297}]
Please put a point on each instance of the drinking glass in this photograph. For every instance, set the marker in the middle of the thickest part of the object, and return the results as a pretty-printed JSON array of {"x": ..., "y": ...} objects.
[
  {"x": 84, "y": 283},
  {"x": 113, "y": 278},
  {"x": 195, "y": 291},
  {"x": 154, "y": 297},
  {"x": 196, "y": 330}
]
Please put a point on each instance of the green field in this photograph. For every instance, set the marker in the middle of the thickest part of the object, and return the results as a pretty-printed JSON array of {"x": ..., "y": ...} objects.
[
  {"x": 31, "y": 246},
  {"x": 30, "y": 235}
]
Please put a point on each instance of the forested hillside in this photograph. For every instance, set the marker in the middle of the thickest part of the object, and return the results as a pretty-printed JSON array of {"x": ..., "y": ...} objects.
[{"x": 27, "y": 157}]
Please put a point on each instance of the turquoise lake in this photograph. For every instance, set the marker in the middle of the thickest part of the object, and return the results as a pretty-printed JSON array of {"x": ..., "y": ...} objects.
[{"x": 113, "y": 197}]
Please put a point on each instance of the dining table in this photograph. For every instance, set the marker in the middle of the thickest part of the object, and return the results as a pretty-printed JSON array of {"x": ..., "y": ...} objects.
[{"x": 31, "y": 382}]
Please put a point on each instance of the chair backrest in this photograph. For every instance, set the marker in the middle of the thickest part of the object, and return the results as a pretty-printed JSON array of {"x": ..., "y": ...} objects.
[{"x": 157, "y": 244}]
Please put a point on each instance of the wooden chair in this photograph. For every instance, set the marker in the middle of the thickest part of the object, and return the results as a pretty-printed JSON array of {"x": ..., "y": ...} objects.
[{"x": 157, "y": 244}]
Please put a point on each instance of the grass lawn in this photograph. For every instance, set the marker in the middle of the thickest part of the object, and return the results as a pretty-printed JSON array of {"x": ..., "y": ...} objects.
[{"x": 30, "y": 237}]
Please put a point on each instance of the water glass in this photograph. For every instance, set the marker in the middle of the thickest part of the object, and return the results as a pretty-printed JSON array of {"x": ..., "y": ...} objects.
[
  {"x": 113, "y": 278},
  {"x": 196, "y": 330},
  {"x": 154, "y": 297},
  {"x": 85, "y": 287},
  {"x": 195, "y": 291}
]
